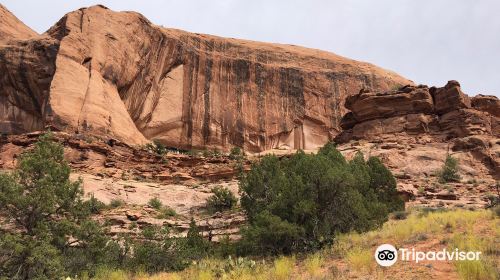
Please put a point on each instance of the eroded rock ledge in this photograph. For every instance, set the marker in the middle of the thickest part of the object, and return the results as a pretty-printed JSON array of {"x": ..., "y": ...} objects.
[{"x": 445, "y": 114}]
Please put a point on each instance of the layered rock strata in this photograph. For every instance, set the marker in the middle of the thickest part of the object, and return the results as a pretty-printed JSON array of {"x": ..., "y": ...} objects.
[{"x": 444, "y": 114}]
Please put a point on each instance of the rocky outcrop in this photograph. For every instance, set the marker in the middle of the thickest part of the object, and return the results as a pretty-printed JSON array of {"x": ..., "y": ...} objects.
[
  {"x": 367, "y": 105},
  {"x": 449, "y": 98},
  {"x": 487, "y": 103},
  {"x": 413, "y": 110},
  {"x": 117, "y": 75},
  {"x": 442, "y": 115}
]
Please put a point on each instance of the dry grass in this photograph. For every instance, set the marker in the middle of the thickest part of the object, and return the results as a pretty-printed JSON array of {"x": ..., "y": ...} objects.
[
  {"x": 484, "y": 268},
  {"x": 283, "y": 268},
  {"x": 361, "y": 260},
  {"x": 314, "y": 264}
]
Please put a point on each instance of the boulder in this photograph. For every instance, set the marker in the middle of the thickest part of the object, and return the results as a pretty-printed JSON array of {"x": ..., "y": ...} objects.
[
  {"x": 470, "y": 143},
  {"x": 446, "y": 195},
  {"x": 487, "y": 103},
  {"x": 449, "y": 98}
]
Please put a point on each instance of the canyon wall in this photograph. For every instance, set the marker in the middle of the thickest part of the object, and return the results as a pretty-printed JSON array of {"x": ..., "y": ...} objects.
[{"x": 116, "y": 75}]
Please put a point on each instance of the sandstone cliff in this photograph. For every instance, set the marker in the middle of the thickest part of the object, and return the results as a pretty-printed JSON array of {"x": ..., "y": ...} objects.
[
  {"x": 12, "y": 28},
  {"x": 443, "y": 115},
  {"x": 116, "y": 75}
]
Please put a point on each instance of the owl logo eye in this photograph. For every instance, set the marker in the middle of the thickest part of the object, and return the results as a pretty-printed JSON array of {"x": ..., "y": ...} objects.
[{"x": 386, "y": 255}]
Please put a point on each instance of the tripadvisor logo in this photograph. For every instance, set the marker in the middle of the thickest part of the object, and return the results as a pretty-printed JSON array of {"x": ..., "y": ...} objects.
[{"x": 387, "y": 255}]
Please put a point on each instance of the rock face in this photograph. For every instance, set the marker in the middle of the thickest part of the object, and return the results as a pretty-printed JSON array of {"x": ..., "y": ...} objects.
[
  {"x": 488, "y": 103},
  {"x": 449, "y": 98},
  {"x": 443, "y": 115},
  {"x": 117, "y": 75},
  {"x": 446, "y": 112},
  {"x": 12, "y": 28}
]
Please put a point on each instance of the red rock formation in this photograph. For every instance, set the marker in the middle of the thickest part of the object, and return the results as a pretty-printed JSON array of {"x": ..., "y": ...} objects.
[
  {"x": 11, "y": 28},
  {"x": 443, "y": 114},
  {"x": 487, "y": 103},
  {"x": 449, "y": 98},
  {"x": 116, "y": 75},
  {"x": 26, "y": 67}
]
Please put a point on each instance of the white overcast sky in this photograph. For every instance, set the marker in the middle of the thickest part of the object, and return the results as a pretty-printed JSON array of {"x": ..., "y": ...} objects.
[{"x": 427, "y": 41}]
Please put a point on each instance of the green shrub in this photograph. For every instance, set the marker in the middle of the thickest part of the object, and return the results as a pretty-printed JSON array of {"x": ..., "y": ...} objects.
[
  {"x": 157, "y": 147},
  {"x": 211, "y": 153},
  {"x": 300, "y": 203},
  {"x": 94, "y": 205},
  {"x": 166, "y": 212},
  {"x": 193, "y": 153},
  {"x": 449, "y": 172},
  {"x": 155, "y": 203},
  {"x": 421, "y": 191},
  {"x": 236, "y": 153},
  {"x": 159, "y": 251},
  {"x": 222, "y": 199},
  {"x": 116, "y": 202}
]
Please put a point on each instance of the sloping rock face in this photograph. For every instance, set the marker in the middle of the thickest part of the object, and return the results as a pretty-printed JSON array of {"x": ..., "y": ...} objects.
[
  {"x": 116, "y": 75},
  {"x": 443, "y": 115},
  {"x": 27, "y": 64},
  {"x": 12, "y": 28}
]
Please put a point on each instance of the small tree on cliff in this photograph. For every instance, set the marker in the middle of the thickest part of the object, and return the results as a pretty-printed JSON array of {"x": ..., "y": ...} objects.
[
  {"x": 48, "y": 218},
  {"x": 449, "y": 171}
]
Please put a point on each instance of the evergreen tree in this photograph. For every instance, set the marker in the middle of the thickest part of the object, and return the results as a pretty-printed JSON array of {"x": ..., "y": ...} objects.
[
  {"x": 300, "y": 203},
  {"x": 449, "y": 172},
  {"x": 49, "y": 218}
]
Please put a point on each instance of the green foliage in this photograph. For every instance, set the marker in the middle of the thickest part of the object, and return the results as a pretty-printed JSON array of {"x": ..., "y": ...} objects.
[
  {"x": 449, "y": 172},
  {"x": 222, "y": 199},
  {"x": 157, "y": 147},
  {"x": 384, "y": 184},
  {"x": 115, "y": 203},
  {"x": 396, "y": 87},
  {"x": 166, "y": 212},
  {"x": 421, "y": 190},
  {"x": 196, "y": 244},
  {"x": 55, "y": 234},
  {"x": 236, "y": 153},
  {"x": 94, "y": 205},
  {"x": 211, "y": 153},
  {"x": 159, "y": 251},
  {"x": 300, "y": 203},
  {"x": 193, "y": 153},
  {"x": 155, "y": 203},
  {"x": 272, "y": 235}
]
